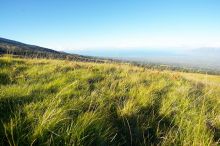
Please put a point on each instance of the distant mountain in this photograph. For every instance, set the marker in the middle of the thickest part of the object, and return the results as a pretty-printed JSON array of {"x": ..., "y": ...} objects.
[
  {"x": 206, "y": 52},
  {"x": 207, "y": 49},
  {"x": 17, "y": 48}
]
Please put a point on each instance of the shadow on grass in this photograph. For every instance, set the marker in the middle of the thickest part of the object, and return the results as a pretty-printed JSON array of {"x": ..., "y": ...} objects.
[
  {"x": 215, "y": 130},
  {"x": 4, "y": 79},
  {"x": 147, "y": 127},
  {"x": 8, "y": 109}
]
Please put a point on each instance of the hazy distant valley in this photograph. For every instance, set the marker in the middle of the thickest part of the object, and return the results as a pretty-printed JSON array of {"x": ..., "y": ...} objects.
[{"x": 204, "y": 58}]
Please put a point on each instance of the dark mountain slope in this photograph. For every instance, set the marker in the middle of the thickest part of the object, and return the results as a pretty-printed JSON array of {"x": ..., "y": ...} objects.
[{"x": 17, "y": 48}]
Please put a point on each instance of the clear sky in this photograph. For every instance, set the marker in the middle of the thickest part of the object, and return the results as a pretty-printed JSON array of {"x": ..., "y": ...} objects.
[{"x": 87, "y": 24}]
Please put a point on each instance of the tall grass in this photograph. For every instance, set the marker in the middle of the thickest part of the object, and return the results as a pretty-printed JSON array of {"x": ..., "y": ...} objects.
[{"x": 54, "y": 102}]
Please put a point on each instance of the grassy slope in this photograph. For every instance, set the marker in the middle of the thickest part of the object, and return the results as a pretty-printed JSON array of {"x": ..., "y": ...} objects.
[{"x": 53, "y": 102}]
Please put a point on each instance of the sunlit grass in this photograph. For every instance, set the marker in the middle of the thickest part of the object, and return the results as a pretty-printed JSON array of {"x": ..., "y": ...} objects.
[{"x": 57, "y": 102}]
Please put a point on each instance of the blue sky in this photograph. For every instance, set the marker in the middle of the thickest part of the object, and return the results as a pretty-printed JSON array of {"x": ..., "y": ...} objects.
[{"x": 112, "y": 24}]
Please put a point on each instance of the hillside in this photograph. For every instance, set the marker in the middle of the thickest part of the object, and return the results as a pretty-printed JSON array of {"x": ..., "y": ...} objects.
[
  {"x": 60, "y": 102},
  {"x": 31, "y": 51},
  {"x": 25, "y": 50}
]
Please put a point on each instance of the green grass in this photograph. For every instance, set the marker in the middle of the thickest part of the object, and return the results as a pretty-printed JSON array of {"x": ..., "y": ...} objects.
[{"x": 54, "y": 102}]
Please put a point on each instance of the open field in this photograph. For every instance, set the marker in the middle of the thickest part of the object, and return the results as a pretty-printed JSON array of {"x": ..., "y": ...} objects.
[
  {"x": 57, "y": 102},
  {"x": 212, "y": 80}
]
